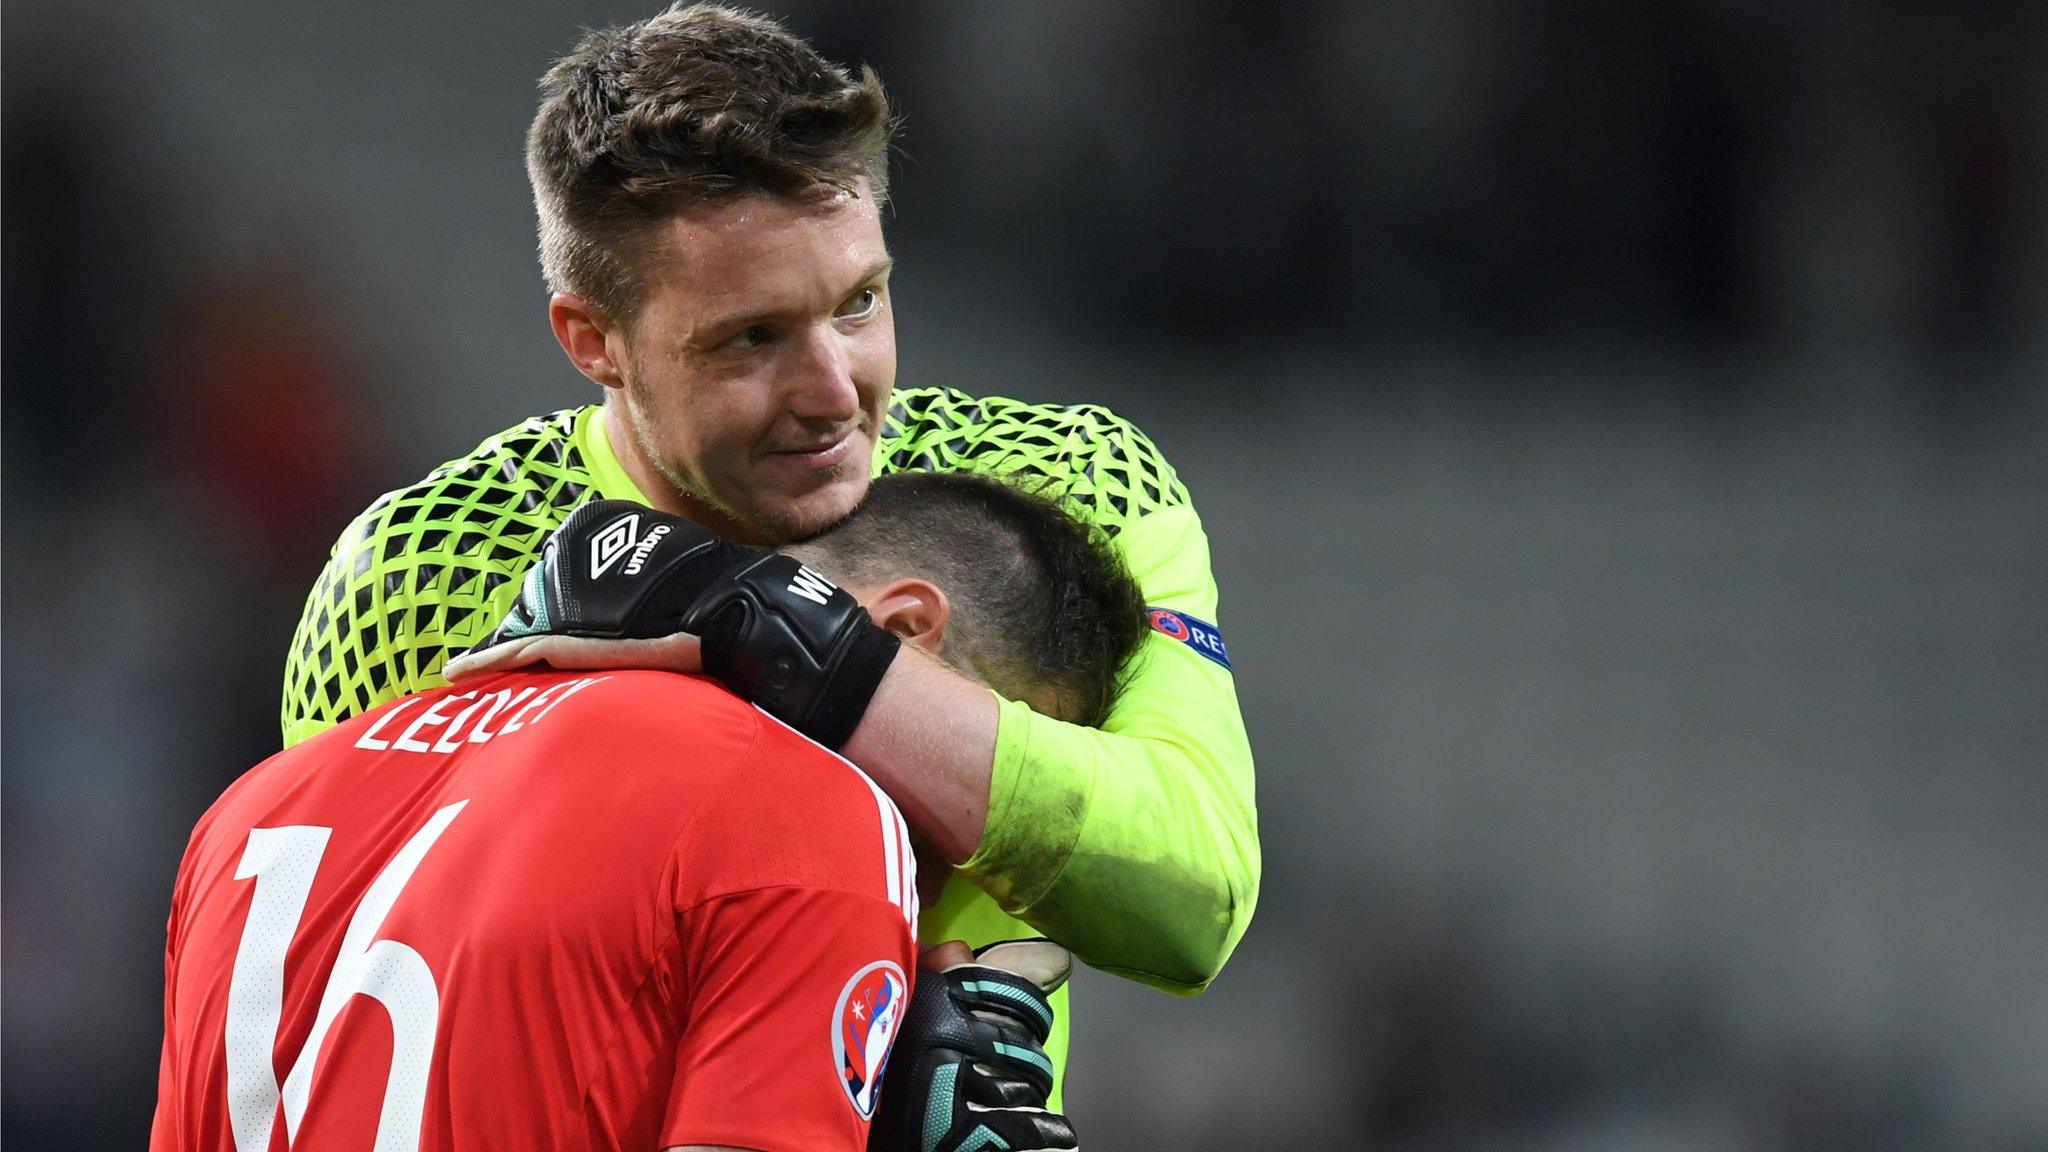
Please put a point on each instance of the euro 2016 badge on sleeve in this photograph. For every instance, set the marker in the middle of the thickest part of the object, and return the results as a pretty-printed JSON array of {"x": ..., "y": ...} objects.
[{"x": 863, "y": 1026}]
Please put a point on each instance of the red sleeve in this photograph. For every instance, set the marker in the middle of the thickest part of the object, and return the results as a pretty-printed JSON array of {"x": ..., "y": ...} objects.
[
  {"x": 798, "y": 942},
  {"x": 796, "y": 994},
  {"x": 165, "y": 1131}
]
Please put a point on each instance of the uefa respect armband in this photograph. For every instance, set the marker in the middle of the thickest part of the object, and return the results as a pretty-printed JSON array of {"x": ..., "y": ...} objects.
[{"x": 1197, "y": 634}]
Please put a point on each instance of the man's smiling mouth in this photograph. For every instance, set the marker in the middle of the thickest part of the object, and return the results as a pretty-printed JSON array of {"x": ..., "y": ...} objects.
[{"x": 819, "y": 454}]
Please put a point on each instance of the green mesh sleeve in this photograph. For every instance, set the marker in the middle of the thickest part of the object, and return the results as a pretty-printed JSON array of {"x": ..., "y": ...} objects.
[
  {"x": 426, "y": 571},
  {"x": 1135, "y": 845}
]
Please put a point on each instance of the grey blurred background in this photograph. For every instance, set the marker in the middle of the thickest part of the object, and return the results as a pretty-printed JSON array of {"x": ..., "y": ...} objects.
[{"x": 1620, "y": 426}]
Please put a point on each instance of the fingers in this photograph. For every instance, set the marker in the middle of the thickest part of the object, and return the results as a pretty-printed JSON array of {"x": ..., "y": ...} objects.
[
  {"x": 1042, "y": 962},
  {"x": 982, "y": 989},
  {"x": 970, "y": 1071},
  {"x": 1015, "y": 1055},
  {"x": 940, "y": 957},
  {"x": 680, "y": 652},
  {"x": 991, "y": 1089},
  {"x": 1025, "y": 1129},
  {"x": 497, "y": 658}
]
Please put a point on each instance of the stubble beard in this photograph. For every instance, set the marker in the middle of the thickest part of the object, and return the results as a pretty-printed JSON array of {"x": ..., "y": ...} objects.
[{"x": 769, "y": 524}]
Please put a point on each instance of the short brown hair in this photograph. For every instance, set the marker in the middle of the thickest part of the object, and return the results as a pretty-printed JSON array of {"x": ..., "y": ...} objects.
[
  {"x": 698, "y": 104},
  {"x": 1044, "y": 607}
]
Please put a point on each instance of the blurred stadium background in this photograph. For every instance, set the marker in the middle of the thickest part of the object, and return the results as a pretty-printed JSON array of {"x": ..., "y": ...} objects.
[{"x": 1621, "y": 428}]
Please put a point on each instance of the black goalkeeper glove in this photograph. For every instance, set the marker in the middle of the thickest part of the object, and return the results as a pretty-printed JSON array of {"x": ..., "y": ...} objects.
[
  {"x": 969, "y": 1069},
  {"x": 774, "y": 631}
]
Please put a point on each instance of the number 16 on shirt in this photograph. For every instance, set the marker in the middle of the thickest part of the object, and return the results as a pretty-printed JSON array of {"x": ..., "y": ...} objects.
[{"x": 283, "y": 862}]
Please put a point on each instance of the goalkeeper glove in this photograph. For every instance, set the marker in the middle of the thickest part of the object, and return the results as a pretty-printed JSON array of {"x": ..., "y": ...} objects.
[
  {"x": 969, "y": 1070},
  {"x": 773, "y": 631}
]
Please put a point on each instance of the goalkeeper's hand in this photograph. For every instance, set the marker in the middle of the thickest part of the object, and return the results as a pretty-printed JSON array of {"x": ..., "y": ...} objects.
[
  {"x": 969, "y": 1069},
  {"x": 774, "y": 631}
]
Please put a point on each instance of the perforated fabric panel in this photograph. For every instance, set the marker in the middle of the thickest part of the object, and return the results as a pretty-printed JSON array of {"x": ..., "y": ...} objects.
[
  {"x": 1106, "y": 469},
  {"x": 427, "y": 570}
]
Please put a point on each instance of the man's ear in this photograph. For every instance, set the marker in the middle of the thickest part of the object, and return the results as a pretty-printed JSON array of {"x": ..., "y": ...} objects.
[
  {"x": 914, "y": 609},
  {"x": 584, "y": 336}
]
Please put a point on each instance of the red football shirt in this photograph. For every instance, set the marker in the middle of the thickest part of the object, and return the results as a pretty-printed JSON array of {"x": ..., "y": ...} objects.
[{"x": 547, "y": 911}]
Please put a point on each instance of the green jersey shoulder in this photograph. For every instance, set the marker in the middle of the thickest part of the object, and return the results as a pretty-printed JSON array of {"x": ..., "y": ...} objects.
[
  {"x": 1105, "y": 469},
  {"x": 429, "y": 568}
]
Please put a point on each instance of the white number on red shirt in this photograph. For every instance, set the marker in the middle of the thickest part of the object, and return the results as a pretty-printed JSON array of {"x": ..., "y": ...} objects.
[{"x": 284, "y": 861}]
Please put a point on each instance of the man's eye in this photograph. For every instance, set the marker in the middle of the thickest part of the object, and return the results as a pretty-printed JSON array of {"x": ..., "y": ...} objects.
[
  {"x": 751, "y": 337},
  {"x": 860, "y": 304}
]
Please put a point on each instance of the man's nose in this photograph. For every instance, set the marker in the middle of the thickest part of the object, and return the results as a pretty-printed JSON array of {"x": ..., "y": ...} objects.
[{"x": 822, "y": 387}]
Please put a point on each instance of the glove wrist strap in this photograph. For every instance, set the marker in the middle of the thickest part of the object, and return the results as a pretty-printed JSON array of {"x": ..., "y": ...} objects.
[
  {"x": 794, "y": 643},
  {"x": 848, "y": 687}
]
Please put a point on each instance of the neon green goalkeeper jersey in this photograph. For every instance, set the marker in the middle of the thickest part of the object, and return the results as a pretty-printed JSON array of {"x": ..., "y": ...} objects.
[{"x": 1135, "y": 845}]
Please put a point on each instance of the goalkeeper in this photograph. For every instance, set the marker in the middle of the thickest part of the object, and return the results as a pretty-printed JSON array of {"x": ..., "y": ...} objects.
[{"x": 708, "y": 189}]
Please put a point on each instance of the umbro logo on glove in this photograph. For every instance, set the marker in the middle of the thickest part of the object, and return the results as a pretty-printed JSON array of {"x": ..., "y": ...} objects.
[
  {"x": 620, "y": 537},
  {"x": 775, "y": 631}
]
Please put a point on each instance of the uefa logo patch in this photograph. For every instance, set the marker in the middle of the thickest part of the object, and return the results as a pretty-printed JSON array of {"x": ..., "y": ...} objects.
[
  {"x": 1199, "y": 635},
  {"x": 871, "y": 1006}
]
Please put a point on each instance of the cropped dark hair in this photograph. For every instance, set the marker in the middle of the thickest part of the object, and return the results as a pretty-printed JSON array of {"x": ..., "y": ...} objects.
[
  {"x": 698, "y": 104},
  {"x": 1043, "y": 607}
]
